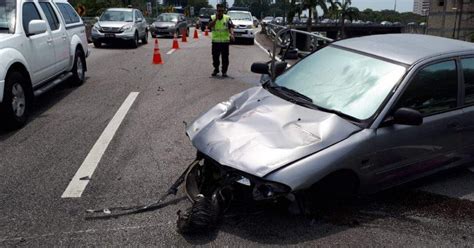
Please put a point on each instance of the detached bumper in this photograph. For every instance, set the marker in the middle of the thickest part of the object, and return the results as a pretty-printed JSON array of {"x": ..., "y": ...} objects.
[{"x": 2, "y": 88}]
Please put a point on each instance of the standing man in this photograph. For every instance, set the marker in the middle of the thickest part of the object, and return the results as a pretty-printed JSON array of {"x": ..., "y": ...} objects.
[{"x": 222, "y": 34}]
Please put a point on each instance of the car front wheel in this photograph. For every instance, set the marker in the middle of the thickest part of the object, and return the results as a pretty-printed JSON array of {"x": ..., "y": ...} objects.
[
  {"x": 145, "y": 38},
  {"x": 16, "y": 102},
  {"x": 135, "y": 41}
]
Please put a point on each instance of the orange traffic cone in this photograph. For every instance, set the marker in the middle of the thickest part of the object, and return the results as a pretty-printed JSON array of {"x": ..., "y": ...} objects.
[
  {"x": 196, "y": 34},
  {"x": 183, "y": 36},
  {"x": 206, "y": 32},
  {"x": 175, "y": 42},
  {"x": 156, "y": 54}
]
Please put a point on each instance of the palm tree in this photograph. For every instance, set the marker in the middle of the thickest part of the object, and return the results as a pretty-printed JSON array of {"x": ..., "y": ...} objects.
[{"x": 311, "y": 6}]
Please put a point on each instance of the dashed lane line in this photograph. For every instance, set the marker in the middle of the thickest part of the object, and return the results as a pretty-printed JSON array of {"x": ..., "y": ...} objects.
[
  {"x": 171, "y": 51},
  {"x": 80, "y": 180}
]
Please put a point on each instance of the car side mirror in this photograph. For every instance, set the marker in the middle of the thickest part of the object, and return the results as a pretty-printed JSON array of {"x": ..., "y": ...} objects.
[
  {"x": 139, "y": 20},
  {"x": 260, "y": 68},
  {"x": 407, "y": 116},
  {"x": 36, "y": 27},
  {"x": 96, "y": 18},
  {"x": 280, "y": 67}
]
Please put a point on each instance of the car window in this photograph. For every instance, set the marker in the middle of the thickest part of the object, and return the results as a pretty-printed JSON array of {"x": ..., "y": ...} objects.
[
  {"x": 30, "y": 12},
  {"x": 117, "y": 16},
  {"x": 468, "y": 71},
  {"x": 50, "y": 15},
  {"x": 433, "y": 90},
  {"x": 69, "y": 14}
]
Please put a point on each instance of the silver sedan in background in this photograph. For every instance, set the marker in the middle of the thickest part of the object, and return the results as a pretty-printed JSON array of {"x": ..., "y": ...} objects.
[{"x": 169, "y": 24}]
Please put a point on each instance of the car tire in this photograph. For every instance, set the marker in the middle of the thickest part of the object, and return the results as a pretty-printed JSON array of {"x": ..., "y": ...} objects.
[
  {"x": 335, "y": 189},
  {"x": 79, "y": 68},
  {"x": 177, "y": 33},
  {"x": 187, "y": 32},
  {"x": 135, "y": 41},
  {"x": 153, "y": 36},
  {"x": 145, "y": 38},
  {"x": 17, "y": 99},
  {"x": 203, "y": 28},
  {"x": 97, "y": 44},
  {"x": 252, "y": 41}
]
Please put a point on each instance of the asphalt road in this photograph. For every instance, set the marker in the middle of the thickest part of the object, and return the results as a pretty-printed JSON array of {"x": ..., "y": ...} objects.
[{"x": 150, "y": 150}]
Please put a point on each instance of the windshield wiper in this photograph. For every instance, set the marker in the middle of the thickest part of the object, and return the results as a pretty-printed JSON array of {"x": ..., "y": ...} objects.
[{"x": 292, "y": 93}]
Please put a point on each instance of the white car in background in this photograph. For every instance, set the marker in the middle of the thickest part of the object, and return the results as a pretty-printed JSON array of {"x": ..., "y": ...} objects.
[
  {"x": 42, "y": 44},
  {"x": 243, "y": 25}
]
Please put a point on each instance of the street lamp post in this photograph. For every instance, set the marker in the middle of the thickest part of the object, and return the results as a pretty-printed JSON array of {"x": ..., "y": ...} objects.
[{"x": 455, "y": 20}]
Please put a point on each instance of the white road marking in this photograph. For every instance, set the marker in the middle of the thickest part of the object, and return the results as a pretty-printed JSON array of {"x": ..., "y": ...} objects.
[
  {"x": 84, "y": 174},
  {"x": 171, "y": 51},
  {"x": 265, "y": 50}
]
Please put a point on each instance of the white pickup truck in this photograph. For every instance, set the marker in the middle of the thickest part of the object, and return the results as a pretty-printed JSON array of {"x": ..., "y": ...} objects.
[{"x": 42, "y": 43}]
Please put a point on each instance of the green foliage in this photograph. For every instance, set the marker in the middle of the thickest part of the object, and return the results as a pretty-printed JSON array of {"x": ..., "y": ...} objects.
[
  {"x": 198, "y": 4},
  {"x": 391, "y": 16}
]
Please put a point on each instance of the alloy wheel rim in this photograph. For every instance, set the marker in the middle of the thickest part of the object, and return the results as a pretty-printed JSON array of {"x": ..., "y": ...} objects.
[{"x": 18, "y": 100}]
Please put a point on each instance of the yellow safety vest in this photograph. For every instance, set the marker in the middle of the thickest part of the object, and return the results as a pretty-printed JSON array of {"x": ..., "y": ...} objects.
[{"x": 221, "y": 33}]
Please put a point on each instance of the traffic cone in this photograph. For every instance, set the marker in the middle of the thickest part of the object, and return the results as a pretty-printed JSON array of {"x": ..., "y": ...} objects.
[
  {"x": 196, "y": 34},
  {"x": 156, "y": 54},
  {"x": 206, "y": 32},
  {"x": 183, "y": 36},
  {"x": 175, "y": 43}
]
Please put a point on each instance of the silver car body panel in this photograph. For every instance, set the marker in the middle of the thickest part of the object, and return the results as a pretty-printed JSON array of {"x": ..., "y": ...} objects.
[
  {"x": 405, "y": 48},
  {"x": 258, "y": 132}
]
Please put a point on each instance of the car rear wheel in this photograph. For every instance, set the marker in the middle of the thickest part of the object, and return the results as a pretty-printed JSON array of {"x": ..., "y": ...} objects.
[
  {"x": 97, "y": 44},
  {"x": 79, "y": 69},
  {"x": 16, "y": 102}
]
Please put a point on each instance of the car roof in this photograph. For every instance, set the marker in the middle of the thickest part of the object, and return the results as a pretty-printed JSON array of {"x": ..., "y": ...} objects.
[
  {"x": 239, "y": 11},
  {"x": 406, "y": 48},
  {"x": 120, "y": 9}
]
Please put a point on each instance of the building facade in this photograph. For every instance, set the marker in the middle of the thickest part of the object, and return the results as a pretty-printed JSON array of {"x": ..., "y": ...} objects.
[
  {"x": 452, "y": 19},
  {"x": 421, "y": 7}
]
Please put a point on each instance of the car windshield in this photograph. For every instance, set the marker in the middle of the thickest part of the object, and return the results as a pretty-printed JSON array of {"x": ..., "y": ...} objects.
[
  {"x": 167, "y": 18},
  {"x": 240, "y": 16},
  {"x": 207, "y": 12},
  {"x": 343, "y": 81},
  {"x": 7, "y": 16},
  {"x": 117, "y": 16}
]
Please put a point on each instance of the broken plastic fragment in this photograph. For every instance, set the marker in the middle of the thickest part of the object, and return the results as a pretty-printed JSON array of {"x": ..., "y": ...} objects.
[
  {"x": 85, "y": 178},
  {"x": 107, "y": 211}
]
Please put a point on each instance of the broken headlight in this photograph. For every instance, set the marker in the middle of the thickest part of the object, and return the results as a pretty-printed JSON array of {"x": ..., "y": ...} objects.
[{"x": 266, "y": 190}]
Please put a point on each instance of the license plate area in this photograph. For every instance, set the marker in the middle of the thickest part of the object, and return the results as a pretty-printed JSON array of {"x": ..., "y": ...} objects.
[{"x": 109, "y": 35}]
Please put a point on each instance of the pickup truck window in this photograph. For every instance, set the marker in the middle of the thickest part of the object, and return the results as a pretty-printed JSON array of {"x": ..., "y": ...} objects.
[
  {"x": 50, "y": 15},
  {"x": 7, "y": 16},
  {"x": 69, "y": 14},
  {"x": 30, "y": 12}
]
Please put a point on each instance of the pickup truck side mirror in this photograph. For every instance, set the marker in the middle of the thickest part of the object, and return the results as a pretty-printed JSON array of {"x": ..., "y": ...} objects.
[
  {"x": 36, "y": 27},
  {"x": 407, "y": 116}
]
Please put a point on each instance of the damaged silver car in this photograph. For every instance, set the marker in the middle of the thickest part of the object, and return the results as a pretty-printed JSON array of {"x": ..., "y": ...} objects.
[{"x": 357, "y": 116}]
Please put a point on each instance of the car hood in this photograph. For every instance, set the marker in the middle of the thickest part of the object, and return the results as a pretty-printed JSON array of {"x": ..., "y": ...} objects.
[
  {"x": 258, "y": 132},
  {"x": 114, "y": 24},
  {"x": 164, "y": 24},
  {"x": 242, "y": 22}
]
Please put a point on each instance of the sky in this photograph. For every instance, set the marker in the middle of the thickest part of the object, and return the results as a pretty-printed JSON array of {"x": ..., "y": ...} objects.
[{"x": 402, "y": 5}]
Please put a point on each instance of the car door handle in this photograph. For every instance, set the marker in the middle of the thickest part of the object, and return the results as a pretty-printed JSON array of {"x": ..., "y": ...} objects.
[
  {"x": 64, "y": 37},
  {"x": 49, "y": 41}
]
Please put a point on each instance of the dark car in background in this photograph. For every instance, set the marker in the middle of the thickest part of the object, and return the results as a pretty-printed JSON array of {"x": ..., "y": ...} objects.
[
  {"x": 205, "y": 17},
  {"x": 169, "y": 24}
]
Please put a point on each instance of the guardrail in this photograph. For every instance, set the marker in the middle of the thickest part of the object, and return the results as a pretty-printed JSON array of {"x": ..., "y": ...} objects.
[{"x": 286, "y": 37}]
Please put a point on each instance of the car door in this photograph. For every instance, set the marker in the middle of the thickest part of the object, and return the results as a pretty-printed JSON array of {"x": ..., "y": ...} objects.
[
  {"x": 406, "y": 152},
  {"x": 140, "y": 24},
  {"x": 182, "y": 23},
  {"x": 39, "y": 48},
  {"x": 59, "y": 36},
  {"x": 467, "y": 69}
]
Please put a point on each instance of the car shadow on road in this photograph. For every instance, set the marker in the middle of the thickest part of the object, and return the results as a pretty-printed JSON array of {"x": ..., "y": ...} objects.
[
  {"x": 43, "y": 103},
  {"x": 271, "y": 225}
]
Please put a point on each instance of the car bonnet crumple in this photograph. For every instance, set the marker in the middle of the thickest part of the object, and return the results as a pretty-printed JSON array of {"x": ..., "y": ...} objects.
[{"x": 258, "y": 132}]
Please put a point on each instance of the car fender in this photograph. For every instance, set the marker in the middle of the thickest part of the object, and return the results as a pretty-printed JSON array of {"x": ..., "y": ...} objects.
[
  {"x": 344, "y": 155},
  {"x": 9, "y": 57},
  {"x": 75, "y": 42}
]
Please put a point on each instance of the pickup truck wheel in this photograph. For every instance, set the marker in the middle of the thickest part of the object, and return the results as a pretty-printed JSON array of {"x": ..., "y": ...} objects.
[
  {"x": 145, "y": 38},
  {"x": 16, "y": 102},
  {"x": 79, "y": 69},
  {"x": 97, "y": 44}
]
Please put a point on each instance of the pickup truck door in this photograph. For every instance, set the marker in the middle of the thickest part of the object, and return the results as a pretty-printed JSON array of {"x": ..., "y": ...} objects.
[
  {"x": 59, "y": 36},
  {"x": 39, "y": 47}
]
